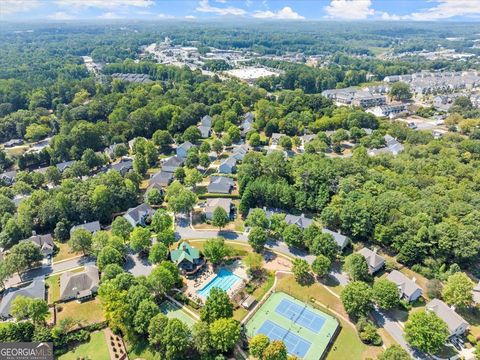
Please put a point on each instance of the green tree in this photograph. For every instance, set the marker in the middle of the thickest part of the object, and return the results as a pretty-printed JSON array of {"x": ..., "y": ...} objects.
[
  {"x": 111, "y": 271},
  {"x": 293, "y": 236},
  {"x": 140, "y": 239},
  {"x": 285, "y": 142},
  {"x": 254, "y": 263},
  {"x": 386, "y": 294},
  {"x": 192, "y": 177},
  {"x": 121, "y": 227},
  {"x": 155, "y": 330},
  {"x": 217, "y": 146},
  {"x": 201, "y": 337},
  {"x": 220, "y": 218},
  {"x": 301, "y": 271},
  {"x": 257, "y": 217},
  {"x": 154, "y": 197},
  {"x": 257, "y": 238},
  {"x": 180, "y": 200},
  {"x": 394, "y": 352},
  {"x": 321, "y": 265},
  {"x": 255, "y": 140},
  {"x": 224, "y": 334},
  {"x": 215, "y": 250},
  {"x": 81, "y": 240},
  {"x": 258, "y": 344},
  {"x": 147, "y": 309},
  {"x": 276, "y": 350},
  {"x": 158, "y": 253},
  {"x": 400, "y": 91},
  {"x": 161, "y": 221},
  {"x": 22, "y": 256},
  {"x": 109, "y": 255},
  {"x": 368, "y": 332},
  {"x": 458, "y": 290},
  {"x": 217, "y": 306},
  {"x": 28, "y": 308},
  {"x": 162, "y": 139},
  {"x": 426, "y": 331},
  {"x": 161, "y": 281},
  {"x": 357, "y": 298},
  {"x": 356, "y": 267}
]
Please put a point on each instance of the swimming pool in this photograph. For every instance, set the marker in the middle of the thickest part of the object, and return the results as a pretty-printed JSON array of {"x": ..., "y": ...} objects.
[{"x": 224, "y": 280}]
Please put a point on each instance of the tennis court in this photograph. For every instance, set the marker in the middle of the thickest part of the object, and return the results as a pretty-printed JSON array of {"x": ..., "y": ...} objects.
[
  {"x": 300, "y": 315},
  {"x": 173, "y": 311},
  {"x": 295, "y": 344},
  {"x": 305, "y": 330}
]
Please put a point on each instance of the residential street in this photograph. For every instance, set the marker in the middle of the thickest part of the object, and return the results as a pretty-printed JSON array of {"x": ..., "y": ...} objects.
[{"x": 46, "y": 270}]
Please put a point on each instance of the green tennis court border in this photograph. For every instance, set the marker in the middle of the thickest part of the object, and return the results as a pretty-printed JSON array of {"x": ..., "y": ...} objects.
[
  {"x": 173, "y": 311},
  {"x": 319, "y": 341}
]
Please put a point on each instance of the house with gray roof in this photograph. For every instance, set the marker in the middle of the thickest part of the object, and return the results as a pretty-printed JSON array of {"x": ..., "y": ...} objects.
[
  {"x": 35, "y": 290},
  {"x": 44, "y": 242},
  {"x": 275, "y": 138},
  {"x": 139, "y": 215},
  {"x": 228, "y": 166},
  {"x": 123, "y": 166},
  {"x": 301, "y": 221},
  {"x": 8, "y": 177},
  {"x": 247, "y": 124},
  {"x": 392, "y": 147},
  {"x": 408, "y": 289},
  {"x": 172, "y": 164},
  {"x": 163, "y": 178},
  {"x": 205, "y": 131},
  {"x": 182, "y": 149},
  {"x": 64, "y": 165},
  {"x": 91, "y": 227},
  {"x": 12, "y": 143},
  {"x": 206, "y": 121},
  {"x": 213, "y": 203},
  {"x": 81, "y": 285},
  {"x": 457, "y": 326},
  {"x": 341, "y": 240},
  {"x": 220, "y": 185},
  {"x": 374, "y": 261},
  {"x": 239, "y": 152}
]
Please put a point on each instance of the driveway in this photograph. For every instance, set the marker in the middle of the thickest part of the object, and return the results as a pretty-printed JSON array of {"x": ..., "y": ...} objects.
[{"x": 137, "y": 265}]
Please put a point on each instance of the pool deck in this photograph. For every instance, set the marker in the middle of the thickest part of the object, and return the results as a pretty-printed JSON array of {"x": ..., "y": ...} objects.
[{"x": 318, "y": 341}]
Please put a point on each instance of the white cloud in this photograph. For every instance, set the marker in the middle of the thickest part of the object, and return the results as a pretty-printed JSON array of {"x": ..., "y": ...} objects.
[
  {"x": 105, "y": 4},
  {"x": 221, "y": 1},
  {"x": 448, "y": 9},
  {"x": 204, "y": 6},
  {"x": 13, "y": 6},
  {"x": 287, "y": 13},
  {"x": 165, "y": 16},
  {"x": 190, "y": 17},
  {"x": 350, "y": 9},
  {"x": 60, "y": 15},
  {"x": 110, "y": 15}
]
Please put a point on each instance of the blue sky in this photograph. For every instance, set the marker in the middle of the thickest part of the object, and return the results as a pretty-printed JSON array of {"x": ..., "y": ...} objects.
[{"x": 391, "y": 10}]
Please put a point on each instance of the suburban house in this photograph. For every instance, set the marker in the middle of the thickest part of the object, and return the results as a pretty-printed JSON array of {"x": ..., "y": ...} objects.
[
  {"x": 206, "y": 121},
  {"x": 239, "y": 152},
  {"x": 409, "y": 290},
  {"x": 204, "y": 131},
  {"x": 305, "y": 139},
  {"x": 275, "y": 139},
  {"x": 341, "y": 240},
  {"x": 220, "y": 185},
  {"x": 457, "y": 326},
  {"x": 393, "y": 147},
  {"x": 36, "y": 290},
  {"x": 375, "y": 262},
  {"x": 110, "y": 151},
  {"x": 139, "y": 215},
  {"x": 301, "y": 221},
  {"x": 163, "y": 178},
  {"x": 44, "y": 242},
  {"x": 228, "y": 166},
  {"x": 156, "y": 186},
  {"x": 123, "y": 166},
  {"x": 187, "y": 258},
  {"x": 91, "y": 227},
  {"x": 64, "y": 165},
  {"x": 81, "y": 286},
  {"x": 247, "y": 123},
  {"x": 171, "y": 164},
  {"x": 131, "y": 143},
  {"x": 12, "y": 143},
  {"x": 8, "y": 177},
  {"x": 391, "y": 110},
  {"x": 182, "y": 149},
  {"x": 212, "y": 204}
]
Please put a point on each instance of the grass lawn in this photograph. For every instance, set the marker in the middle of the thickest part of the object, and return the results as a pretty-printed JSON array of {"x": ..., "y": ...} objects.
[
  {"x": 64, "y": 252},
  {"x": 347, "y": 344},
  {"x": 88, "y": 312},
  {"x": 95, "y": 349},
  {"x": 258, "y": 293},
  {"x": 141, "y": 351}
]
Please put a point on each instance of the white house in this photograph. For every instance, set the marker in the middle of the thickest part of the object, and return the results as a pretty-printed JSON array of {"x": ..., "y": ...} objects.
[{"x": 409, "y": 290}]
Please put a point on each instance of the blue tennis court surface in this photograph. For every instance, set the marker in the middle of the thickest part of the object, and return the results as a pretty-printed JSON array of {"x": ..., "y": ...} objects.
[
  {"x": 300, "y": 315},
  {"x": 295, "y": 344}
]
